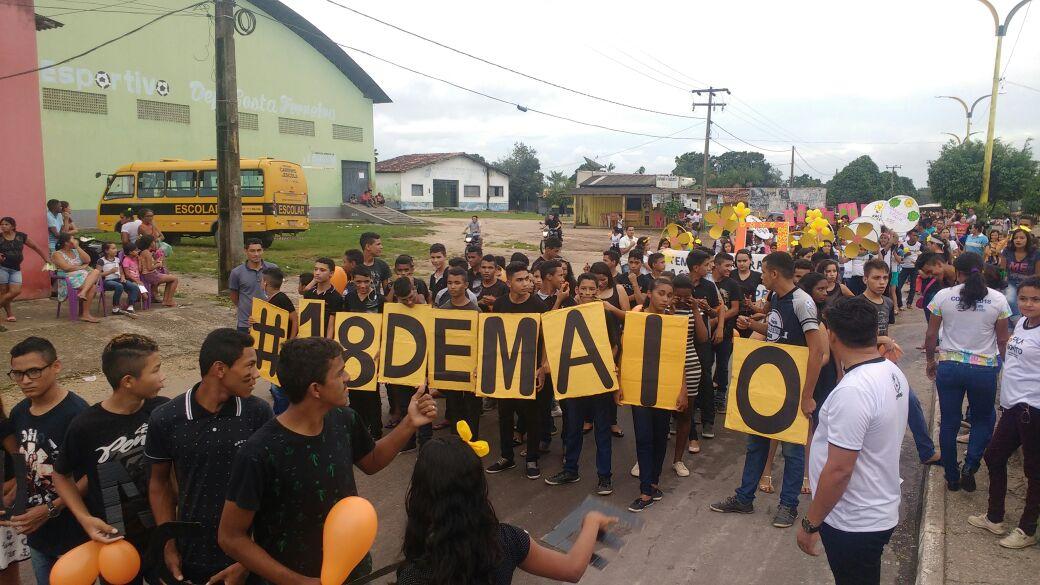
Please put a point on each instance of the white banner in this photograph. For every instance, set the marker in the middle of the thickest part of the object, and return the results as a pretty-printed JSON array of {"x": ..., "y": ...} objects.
[{"x": 675, "y": 262}]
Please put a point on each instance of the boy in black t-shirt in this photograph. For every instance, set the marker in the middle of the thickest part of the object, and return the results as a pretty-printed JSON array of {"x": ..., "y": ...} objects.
[
  {"x": 320, "y": 288},
  {"x": 39, "y": 423},
  {"x": 404, "y": 267},
  {"x": 489, "y": 288},
  {"x": 521, "y": 300},
  {"x": 372, "y": 249},
  {"x": 351, "y": 260},
  {"x": 271, "y": 282},
  {"x": 288, "y": 475},
  {"x": 439, "y": 261},
  {"x": 105, "y": 444},
  {"x": 706, "y": 296},
  {"x": 365, "y": 298}
]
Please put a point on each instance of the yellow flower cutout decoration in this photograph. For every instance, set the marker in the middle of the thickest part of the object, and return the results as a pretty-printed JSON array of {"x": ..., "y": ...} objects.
[
  {"x": 741, "y": 211},
  {"x": 864, "y": 237},
  {"x": 723, "y": 220},
  {"x": 481, "y": 448},
  {"x": 817, "y": 230}
]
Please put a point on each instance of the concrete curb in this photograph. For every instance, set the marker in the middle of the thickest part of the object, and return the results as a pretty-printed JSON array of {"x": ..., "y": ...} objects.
[{"x": 931, "y": 547}]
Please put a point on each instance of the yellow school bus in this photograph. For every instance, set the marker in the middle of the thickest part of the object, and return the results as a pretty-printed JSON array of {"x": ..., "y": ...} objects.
[{"x": 183, "y": 195}]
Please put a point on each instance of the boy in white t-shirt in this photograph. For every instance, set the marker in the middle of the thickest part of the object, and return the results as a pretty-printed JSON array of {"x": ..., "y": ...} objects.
[{"x": 854, "y": 458}]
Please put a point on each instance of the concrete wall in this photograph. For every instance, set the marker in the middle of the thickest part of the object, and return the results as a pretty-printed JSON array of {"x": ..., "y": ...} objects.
[
  {"x": 397, "y": 187},
  {"x": 279, "y": 75},
  {"x": 23, "y": 193}
]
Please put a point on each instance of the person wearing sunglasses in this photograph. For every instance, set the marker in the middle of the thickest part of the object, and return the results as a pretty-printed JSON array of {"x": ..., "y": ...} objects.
[{"x": 39, "y": 423}]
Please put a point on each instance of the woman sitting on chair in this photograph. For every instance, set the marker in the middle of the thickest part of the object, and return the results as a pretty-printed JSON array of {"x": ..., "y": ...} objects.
[
  {"x": 151, "y": 270},
  {"x": 74, "y": 264}
]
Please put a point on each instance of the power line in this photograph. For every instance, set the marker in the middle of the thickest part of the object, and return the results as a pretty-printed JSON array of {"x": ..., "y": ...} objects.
[
  {"x": 518, "y": 106},
  {"x": 643, "y": 73},
  {"x": 818, "y": 171},
  {"x": 1023, "y": 86},
  {"x": 106, "y": 43},
  {"x": 1011, "y": 56},
  {"x": 97, "y": 9},
  {"x": 734, "y": 136},
  {"x": 510, "y": 69},
  {"x": 606, "y": 156}
]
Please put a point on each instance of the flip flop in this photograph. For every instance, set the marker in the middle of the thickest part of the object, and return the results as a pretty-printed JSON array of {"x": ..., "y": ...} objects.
[
  {"x": 765, "y": 485},
  {"x": 618, "y": 433},
  {"x": 806, "y": 490},
  {"x": 12, "y": 319}
]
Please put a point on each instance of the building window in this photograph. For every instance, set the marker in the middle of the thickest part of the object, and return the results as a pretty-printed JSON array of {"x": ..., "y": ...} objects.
[
  {"x": 294, "y": 126},
  {"x": 180, "y": 184},
  {"x": 163, "y": 112},
  {"x": 471, "y": 191},
  {"x": 353, "y": 133},
  {"x": 150, "y": 184},
  {"x": 417, "y": 190},
  {"x": 247, "y": 121},
  {"x": 65, "y": 100},
  {"x": 495, "y": 191}
]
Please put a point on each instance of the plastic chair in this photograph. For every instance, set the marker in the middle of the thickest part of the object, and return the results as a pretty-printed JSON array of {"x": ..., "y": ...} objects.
[{"x": 72, "y": 299}]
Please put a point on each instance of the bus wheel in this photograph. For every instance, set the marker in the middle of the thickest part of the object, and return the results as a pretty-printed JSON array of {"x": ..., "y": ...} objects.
[
  {"x": 172, "y": 239},
  {"x": 266, "y": 239}
]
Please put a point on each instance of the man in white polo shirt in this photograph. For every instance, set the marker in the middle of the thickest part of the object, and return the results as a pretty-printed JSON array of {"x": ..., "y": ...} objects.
[{"x": 854, "y": 458}]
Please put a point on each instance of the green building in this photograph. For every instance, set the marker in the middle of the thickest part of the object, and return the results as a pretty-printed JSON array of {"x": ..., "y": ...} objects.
[{"x": 151, "y": 96}]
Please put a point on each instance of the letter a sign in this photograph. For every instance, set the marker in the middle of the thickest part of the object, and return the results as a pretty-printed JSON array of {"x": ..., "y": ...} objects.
[{"x": 578, "y": 348}]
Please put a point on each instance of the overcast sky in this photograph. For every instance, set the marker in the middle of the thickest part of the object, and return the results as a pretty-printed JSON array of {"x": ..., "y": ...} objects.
[{"x": 837, "y": 78}]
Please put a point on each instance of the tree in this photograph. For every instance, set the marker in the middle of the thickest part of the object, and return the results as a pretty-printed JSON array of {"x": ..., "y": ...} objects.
[
  {"x": 805, "y": 180},
  {"x": 729, "y": 169},
  {"x": 956, "y": 176},
  {"x": 901, "y": 185},
  {"x": 691, "y": 164},
  {"x": 858, "y": 182},
  {"x": 525, "y": 175},
  {"x": 558, "y": 186}
]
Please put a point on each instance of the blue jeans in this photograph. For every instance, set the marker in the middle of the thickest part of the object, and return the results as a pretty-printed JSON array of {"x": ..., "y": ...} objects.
[
  {"x": 854, "y": 557},
  {"x": 117, "y": 288},
  {"x": 755, "y": 464},
  {"x": 575, "y": 412},
  {"x": 919, "y": 429},
  {"x": 953, "y": 380},
  {"x": 651, "y": 430},
  {"x": 42, "y": 565},
  {"x": 1011, "y": 293},
  {"x": 906, "y": 274},
  {"x": 281, "y": 401}
]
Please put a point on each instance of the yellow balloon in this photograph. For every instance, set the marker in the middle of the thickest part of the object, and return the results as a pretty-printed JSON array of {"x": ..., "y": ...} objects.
[
  {"x": 350, "y": 530},
  {"x": 481, "y": 448},
  {"x": 79, "y": 566}
]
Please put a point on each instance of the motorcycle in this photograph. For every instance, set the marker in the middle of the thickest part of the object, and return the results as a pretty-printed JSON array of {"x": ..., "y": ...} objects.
[
  {"x": 472, "y": 240},
  {"x": 548, "y": 232}
]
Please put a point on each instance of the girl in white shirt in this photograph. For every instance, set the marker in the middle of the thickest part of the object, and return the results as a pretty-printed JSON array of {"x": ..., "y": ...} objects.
[
  {"x": 974, "y": 320},
  {"x": 1019, "y": 424}
]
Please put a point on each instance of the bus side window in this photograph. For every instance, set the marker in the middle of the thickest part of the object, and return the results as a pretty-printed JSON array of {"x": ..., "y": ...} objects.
[
  {"x": 208, "y": 184},
  {"x": 180, "y": 184},
  {"x": 252, "y": 183},
  {"x": 150, "y": 184}
]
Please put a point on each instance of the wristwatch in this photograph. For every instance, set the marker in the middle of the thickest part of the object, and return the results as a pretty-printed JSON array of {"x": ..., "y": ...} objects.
[
  {"x": 52, "y": 510},
  {"x": 808, "y": 526}
]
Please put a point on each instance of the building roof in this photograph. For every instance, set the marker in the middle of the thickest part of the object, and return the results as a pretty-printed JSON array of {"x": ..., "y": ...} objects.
[
  {"x": 324, "y": 45},
  {"x": 407, "y": 162},
  {"x": 46, "y": 23},
  {"x": 637, "y": 190},
  {"x": 620, "y": 180}
]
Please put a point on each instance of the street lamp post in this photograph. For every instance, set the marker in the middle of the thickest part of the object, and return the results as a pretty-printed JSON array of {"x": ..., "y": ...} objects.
[
  {"x": 967, "y": 112},
  {"x": 1001, "y": 32}
]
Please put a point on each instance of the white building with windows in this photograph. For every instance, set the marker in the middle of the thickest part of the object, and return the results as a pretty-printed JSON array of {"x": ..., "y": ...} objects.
[{"x": 445, "y": 180}]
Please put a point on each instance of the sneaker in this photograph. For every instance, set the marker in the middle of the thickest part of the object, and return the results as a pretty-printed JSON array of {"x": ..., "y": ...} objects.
[
  {"x": 967, "y": 480},
  {"x": 130, "y": 309},
  {"x": 640, "y": 504},
  {"x": 1017, "y": 539},
  {"x": 501, "y": 465},
  {"x": 635, "y": 470},
  {"x": 556, "y": 411},
  {"x": 658, "y": 495},
  {"x": 963, "y": 439},
  {"x": 982, "y": 521},
  {"x": 784, "y": 517},
  {"x": 707, "y": 431},
  {"x": 117, "y": 311},
  {"x": 732, "y": 504},
  {"x": 532, "y": 470},
  {"x": 680, "y": 469},
  {"x": 604, "y": 487},
  {"x": 563, "y": 477}
]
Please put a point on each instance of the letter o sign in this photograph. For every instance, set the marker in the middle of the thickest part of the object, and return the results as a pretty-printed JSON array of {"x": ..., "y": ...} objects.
[{"x": 783, "y": 418}]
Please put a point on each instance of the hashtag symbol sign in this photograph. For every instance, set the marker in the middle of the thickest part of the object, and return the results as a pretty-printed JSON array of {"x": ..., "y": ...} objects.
[{"x": 269, "y": 336}]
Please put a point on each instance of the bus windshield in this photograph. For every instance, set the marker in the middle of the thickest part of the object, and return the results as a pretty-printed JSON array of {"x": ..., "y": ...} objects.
[{"x": 121, "y": 187}]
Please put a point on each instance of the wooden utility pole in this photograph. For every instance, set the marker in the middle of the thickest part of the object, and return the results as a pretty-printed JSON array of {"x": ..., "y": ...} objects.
[
  {"x": 712, "y": 104},
  {"x": 892, "y": 179},
  {"x": 790, "y": 182},
  {"x": 229, "y": 194}
]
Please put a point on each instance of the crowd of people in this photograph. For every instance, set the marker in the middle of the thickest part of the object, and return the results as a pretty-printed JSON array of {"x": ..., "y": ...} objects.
[{"x": 260, "y": 480}]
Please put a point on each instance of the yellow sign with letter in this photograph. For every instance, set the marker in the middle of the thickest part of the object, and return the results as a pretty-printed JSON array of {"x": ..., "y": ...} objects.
[
  {"x": 651, "y": 368},
  {"x": 312, "y": 318},
  {"x": 407, "y": 335},
  {"x": 270, "y": 329},
  {"x": 765, "y": 391},
  {"x": 507, "y": 355},
  {"x": 453, "y": 353},
  {"x": 359, "y": 334},
  {"x": 578, "y": 349}
]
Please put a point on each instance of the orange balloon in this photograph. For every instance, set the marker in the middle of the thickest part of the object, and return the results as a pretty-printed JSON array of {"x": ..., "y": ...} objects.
[
  {"x": 339, "y": 280},
  {"x": 119, "y": 562},
  {"x": 350, "y": 530},
  {"x": 79, "y": 566}
]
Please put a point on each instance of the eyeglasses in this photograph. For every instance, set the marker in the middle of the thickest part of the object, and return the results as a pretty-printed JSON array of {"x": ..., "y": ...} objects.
[{"x": 31, "y": 373}]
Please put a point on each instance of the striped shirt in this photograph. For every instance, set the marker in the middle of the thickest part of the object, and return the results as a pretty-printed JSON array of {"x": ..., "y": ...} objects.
[{"x": 692, "y": 370}]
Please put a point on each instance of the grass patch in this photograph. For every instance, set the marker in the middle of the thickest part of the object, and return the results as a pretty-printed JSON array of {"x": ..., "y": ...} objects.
[
  {"x": 296, "y": 254},
  {"x": 516, "y": 245},
  {"x": 468, "y": 214}
]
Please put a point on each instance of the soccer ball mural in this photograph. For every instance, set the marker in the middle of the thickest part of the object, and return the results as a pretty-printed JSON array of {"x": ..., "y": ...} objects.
[
  {"x": 162, "y": 87},
  {"x": 103, "y": 80}
]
